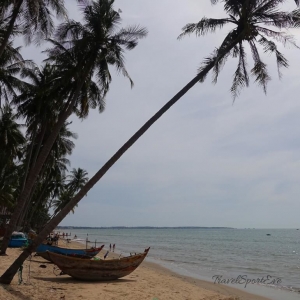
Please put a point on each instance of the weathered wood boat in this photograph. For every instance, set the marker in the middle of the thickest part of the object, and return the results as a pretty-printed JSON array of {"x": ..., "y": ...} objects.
[
  {"x": 68, "y": 251},
  {"x": 97, "y": 270}
]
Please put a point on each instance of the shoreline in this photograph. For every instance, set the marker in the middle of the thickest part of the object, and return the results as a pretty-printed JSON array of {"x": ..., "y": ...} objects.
[
  {"x": 149, "y": 281},
  {"x": 253, "y": 291}
]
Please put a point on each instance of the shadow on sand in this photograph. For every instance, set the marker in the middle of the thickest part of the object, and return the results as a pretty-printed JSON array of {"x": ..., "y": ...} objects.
[
  {"x": 68, "y": 280},
  {"x": 17, "y": 294}
]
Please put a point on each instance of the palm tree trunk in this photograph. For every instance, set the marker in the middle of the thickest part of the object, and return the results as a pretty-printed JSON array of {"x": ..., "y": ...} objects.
[
  {"x": 25, "y": 208},
  {"x": 12, "y": 21},
  {"x": 39, "y": 200},
  {"x": 41, "y": 138},
  {"x": 29, "y": 159}
]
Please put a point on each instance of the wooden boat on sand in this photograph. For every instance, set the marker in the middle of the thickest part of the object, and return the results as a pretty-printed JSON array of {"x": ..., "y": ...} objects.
[
  {"x": 97, "y": 270},
  {"x": 80, "y": 253}
]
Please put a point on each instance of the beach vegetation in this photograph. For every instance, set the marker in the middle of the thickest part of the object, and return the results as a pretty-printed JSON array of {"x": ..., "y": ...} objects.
[{"x": 79, "y": 53}]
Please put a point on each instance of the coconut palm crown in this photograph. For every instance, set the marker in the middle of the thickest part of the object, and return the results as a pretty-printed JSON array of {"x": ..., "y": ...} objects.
[
  {"x": 256, "y": 22},
  {"x": 32, "y": 18},
  {"x": 89, "y": 48}
]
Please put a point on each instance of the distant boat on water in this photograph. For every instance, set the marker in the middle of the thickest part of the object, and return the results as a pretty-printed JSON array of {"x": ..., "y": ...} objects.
[{"x": 268, "y": 233}]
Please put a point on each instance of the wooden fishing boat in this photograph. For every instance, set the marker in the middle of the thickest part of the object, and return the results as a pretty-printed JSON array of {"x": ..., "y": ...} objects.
[
  {"x": 68, "y": 251},
  {"x": 97, "y": 270}
]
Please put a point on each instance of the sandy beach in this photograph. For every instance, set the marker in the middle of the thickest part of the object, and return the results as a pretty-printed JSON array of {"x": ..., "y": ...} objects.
[{"x": 149, "y": 281}]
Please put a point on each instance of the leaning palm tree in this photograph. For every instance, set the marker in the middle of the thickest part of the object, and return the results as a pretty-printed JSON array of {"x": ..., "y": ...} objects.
[
  {"x": 252, "y": 20},
  {"x": 34, "y": 18},
  {"x": 96, "y": 45}
]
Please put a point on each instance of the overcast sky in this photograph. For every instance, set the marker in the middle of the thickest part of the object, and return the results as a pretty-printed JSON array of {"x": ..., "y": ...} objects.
[{"x": 207, "y": 161}]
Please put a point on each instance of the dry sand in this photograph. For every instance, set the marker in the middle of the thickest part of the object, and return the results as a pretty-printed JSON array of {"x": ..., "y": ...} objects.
[{"x": 149, "y": 281}]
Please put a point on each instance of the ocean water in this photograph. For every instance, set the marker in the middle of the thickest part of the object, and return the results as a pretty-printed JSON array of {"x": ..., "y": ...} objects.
[{"x": 203, "y": 253}]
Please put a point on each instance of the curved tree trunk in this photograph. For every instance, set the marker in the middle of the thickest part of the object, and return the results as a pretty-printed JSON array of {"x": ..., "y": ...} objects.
[
  {"x": 12, "y": 270},
  {"x": 29, "y": 158},
  {"x": 38, "y": 202},
  {"x": 41, "y": 138},
  {"x": 10, "y": 28},
  {"x": 27, "y": 203},
  {"x": 7, "y": 277}
]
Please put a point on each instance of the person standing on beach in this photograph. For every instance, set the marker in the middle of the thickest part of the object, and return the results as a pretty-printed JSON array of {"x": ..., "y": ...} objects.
[
  {"x": 109, "y": 247},
  {"x": 114, "y": 247}
]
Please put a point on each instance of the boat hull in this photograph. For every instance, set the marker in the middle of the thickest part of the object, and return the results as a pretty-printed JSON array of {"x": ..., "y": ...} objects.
[
  {"x": 68, "y": 251},
  {"x": 17, "y": 243},
  {"x": 45, "y": 255},
  {"x": 97, "y": 270}
]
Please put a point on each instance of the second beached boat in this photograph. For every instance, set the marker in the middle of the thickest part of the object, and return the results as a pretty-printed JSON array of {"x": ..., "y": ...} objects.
[
  {"x": 97, "y": 270},
  {"x": 81, "y": 253}
]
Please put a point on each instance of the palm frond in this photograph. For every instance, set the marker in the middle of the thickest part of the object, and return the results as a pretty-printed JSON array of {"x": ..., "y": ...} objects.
[
  {"x": 259, "y": 70},
  {"x": 281, "y": 37},
  {"x": 241, "y": 78},
  {"x": 204, "y": 26},
  {"x": 270, "y": 47}
]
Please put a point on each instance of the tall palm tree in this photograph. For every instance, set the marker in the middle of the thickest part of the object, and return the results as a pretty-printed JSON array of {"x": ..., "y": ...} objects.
[
  {"x": 11, "y": 65},
  {"x": 11, "y": 137},
  {"x": 8, "y": 182},
  {"x": 250, "y": 18},
  {"x": 37, "y": 104},
  {"x": 11, "y": 143},
  {"x": 55, "y": 167},
  {"x": 96, "y": 44},
  {"x": 77, "y": 179},
  {"x": 34, "y": 17}
]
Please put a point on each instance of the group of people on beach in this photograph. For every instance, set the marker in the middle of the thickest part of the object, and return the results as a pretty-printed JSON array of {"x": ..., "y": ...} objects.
[
  {"x": 53, "y": 238},
  {"x": 65, "y": 235},
  {"x": 113, "y": 247}
]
